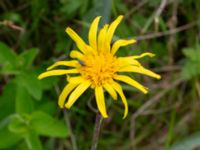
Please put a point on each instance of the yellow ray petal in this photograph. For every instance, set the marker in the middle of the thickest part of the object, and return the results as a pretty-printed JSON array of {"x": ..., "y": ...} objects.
[
  {"x": 76, "y": 80},
  {"x": 111, "y": 31},
  {"x": 100, "y": 101},
  {"x": 110, "y": 90},
  {"x": 131, "y": 82},
  {"x": 101, "y": 38},
  {"x": 76, "y": 54},
  {"x": 80, "y": 89},
  {"x": 79, "y": 42},
  {"x": 120, "y": 43},
  {"x": 93, "y": 33},
  {"x": 143, "y": 55},
  {"x": 56, "y": 73},
  {"x": 91, "y": 50},
  {"x": 72, "y": 63},
  {"x": 119, "y": 90},
  {"x": 140, "y": 70},
  {"x": 67, "y": 89},
  {"x": 127, "y": 61}
]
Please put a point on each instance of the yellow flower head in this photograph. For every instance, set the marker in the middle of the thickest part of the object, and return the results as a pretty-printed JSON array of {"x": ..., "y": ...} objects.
[{"x": 97, "y": 66}]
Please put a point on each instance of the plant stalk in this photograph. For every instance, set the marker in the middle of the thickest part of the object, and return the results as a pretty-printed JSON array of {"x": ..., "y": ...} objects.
[{"x": 96, "y": 132}]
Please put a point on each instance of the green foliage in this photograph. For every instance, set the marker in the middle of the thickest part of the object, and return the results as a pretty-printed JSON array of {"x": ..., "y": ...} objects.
[
  {"x": 28, "y": 57},
  {"x": 46, "y": 125},
  {"x": 23, "y": 102},
  {"x": 189, "y": 143},
  {"x": 30, "y": 82},
  {"x": 18, "y": 105},
  {"x": 8, "y": 138},
  {"x": 7, "y": 58},
  {"x": 32, "y": 37},
  {"x": 192, "y": 65}
]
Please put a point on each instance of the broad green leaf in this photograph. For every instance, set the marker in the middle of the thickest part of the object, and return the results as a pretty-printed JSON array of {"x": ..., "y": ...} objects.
[
  {"x": 7, "y": 100},
  {"x": 24, "y": 103},
  {"x": 189, "y": 143},
  {"x": 100, "y": 8},
  {"x": 8, "y": 138},
  {"x": 47, "y": 105},
  {"x": 191, "y": 68},
  {"x": 48, "y": 83},
  {"x": 28, "y": 56},
  {"x": 33, "y": 141},
  {"x": 46, "y": 125},
  {"x": 18, "y": 124},
  {"x": 31, "y": 83},
  {"x": 7, "y": 55},
  {"x": 70, "y": 8}
]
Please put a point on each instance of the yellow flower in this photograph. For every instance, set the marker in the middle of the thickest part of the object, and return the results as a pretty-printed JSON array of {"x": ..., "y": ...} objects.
[{"x": 97, "y": 66}]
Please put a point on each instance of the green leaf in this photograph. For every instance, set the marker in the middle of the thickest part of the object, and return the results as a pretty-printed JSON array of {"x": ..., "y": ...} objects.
[
  {"x": 28, "y": 56},
  {"x": 191, "y": 68},
  {"x": 7, "y": 56},
  {"x": 24, "y": 103},
  {"x": 46, "y": 125},
  {"x": 70, "y": 8},
  {"x": 8, "y": 60},
  {"x": 46, "y": 105},
  {"x": 32, "y": 140},
  {"x": 100, "y": 8},
  {"x": 7, "y": 100},
  {"x": 30, "y": 82},
  {"x": 188, "y": 143},
  {"x": 7, "y": 138},
  {"x": 18, "y": 124}
]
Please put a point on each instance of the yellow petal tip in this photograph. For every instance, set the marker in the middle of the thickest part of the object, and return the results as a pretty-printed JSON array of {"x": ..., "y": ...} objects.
[
  {"x": 67, "y": 106},
  {"x": 152, "y": 55},
  {"x": 61, "y": 106},
  {"x": 133, "y": 41},
  {"x": 145, "y": 91},
  {"x": 39, "y": 77},
  {"x": 98, "y": 17},
  {"x": 67, "y": 30},
  {"x": 121, "y": 16},
  {"x": 49, "y": 68},
  {"x": 124, "y": 116},
  {"x": 158, "y": 77},
  {"x": 105, "y": 116}
]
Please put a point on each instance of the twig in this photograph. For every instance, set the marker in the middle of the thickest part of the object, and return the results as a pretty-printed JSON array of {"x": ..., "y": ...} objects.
[
  {"x": 96, "y": 132},
  {"x": 168, "y": 69},
  {"x": 11, "y": 25},
  {"x": 163, "y": 110},
  {"x": 169, "y": 32},
  {"x": 171, "y": 44},
  {"x": 135, "y": 9},
  {"x": 67, "y": 121},
  {"x": 155, "y": 15},
  {"x": 73, "y": 138},
  {"x": 155, "y": 99},
  {"x": 197, "y": 84},
  {"x": 149, "y": 103},
  {"x": 89, "y": 103}
]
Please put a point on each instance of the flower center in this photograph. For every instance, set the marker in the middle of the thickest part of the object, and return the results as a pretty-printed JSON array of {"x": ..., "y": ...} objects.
[{"x": 98, "y": 68}]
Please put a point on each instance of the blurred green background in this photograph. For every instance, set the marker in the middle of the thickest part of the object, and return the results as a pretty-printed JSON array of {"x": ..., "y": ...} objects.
[{"x": 32, "y": 37}]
